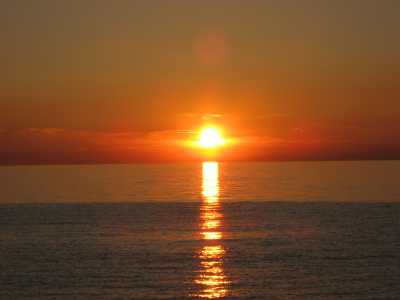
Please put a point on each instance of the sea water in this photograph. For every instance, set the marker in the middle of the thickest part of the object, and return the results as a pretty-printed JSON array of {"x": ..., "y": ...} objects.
[{"x": 318, "y": 230}]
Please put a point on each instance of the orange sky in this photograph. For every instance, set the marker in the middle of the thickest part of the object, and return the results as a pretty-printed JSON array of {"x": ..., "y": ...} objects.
[{"x": 90, "y": 81}]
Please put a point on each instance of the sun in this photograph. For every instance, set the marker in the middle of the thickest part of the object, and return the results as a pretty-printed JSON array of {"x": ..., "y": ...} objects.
[{"x": 210, "y": 137}]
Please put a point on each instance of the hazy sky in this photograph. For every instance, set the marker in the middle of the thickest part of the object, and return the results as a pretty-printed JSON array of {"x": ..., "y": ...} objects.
[{"x": 88, "y": 81}]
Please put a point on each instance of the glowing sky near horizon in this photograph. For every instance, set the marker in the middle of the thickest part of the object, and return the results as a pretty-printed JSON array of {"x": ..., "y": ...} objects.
[{"x": 128, "y": 80}]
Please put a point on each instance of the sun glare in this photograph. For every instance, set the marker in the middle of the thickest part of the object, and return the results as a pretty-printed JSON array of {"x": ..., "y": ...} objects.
[{"x": 210, "y": 138}]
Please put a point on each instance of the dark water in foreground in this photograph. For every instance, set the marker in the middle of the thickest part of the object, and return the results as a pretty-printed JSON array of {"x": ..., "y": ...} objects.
[
  {"x": 162, "y": 251},
  {"x": 201, "y": 231}
]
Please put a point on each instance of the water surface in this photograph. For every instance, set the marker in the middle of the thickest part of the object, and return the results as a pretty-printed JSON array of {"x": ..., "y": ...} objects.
[
  {"x": 207, "y": 231},
  {"x": 364, "y": 181}
]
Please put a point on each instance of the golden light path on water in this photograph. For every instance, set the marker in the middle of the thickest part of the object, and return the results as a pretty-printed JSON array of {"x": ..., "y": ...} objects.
[{"x": 213, "y": 282}]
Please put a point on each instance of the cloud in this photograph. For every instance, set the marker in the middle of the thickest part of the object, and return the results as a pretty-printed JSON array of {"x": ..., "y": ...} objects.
[
  {"x": 341, "y": 138},
  {"x": 57, "y": 145}
]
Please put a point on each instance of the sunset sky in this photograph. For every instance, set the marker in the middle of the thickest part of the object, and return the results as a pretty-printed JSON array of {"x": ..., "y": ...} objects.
[{"x": 132, "y": 81}]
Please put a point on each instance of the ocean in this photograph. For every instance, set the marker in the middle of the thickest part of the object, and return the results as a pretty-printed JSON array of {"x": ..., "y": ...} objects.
[{"x": 282, "y": 230}]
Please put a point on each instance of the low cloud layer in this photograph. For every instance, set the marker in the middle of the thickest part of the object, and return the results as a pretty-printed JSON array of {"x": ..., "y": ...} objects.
[{"x": 361, "y": 139}]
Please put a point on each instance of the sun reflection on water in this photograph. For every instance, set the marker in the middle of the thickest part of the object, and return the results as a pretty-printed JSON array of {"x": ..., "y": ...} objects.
[{"x": 211, "y": 278}]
